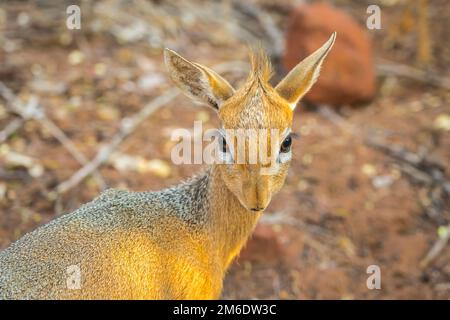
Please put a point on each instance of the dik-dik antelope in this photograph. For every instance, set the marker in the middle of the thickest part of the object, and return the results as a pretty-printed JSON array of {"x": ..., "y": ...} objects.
[{"x": 176, "y": 243}]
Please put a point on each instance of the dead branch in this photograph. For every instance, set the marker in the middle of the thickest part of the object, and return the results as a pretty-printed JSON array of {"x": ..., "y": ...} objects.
[
  {"x": 71, "y": 148},
  {"x": 249, "y": 12},
  {"x": 436, "y": 249},
  {"x": 338, "y": 120},
  {"x": 7, "y": 94},
  {"x": 401, "y": 70},
  {"x": 14, "y": 175},
  {"x": 421, "y": 166},
  {"x": 128, "y": 126},
  {"x": 422, "y": 169},
  {"x": 11, "y": 127},
  {"x": 32, "y": 110},
  {"x": 284, "y": 218}
]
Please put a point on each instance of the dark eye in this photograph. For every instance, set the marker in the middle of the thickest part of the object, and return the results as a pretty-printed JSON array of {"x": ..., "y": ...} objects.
[
  {"x": 286, "y": 145},
  {"x": 223, "y": 144}
]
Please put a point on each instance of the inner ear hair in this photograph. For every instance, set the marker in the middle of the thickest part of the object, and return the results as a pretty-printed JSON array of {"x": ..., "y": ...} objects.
[
  {"x": 197, "y": 81},
  {"x": 300, "y": 79}
]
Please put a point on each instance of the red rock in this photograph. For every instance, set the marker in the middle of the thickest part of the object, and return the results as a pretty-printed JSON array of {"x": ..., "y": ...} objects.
[{"x": 347, "y": 75}]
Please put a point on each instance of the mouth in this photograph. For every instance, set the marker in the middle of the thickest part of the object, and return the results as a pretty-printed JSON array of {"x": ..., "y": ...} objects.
[{"x": 253, "y": 209}]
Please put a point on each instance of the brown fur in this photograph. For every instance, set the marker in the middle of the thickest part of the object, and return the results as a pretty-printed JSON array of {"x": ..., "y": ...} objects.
[{"x": 171, "y": 244}]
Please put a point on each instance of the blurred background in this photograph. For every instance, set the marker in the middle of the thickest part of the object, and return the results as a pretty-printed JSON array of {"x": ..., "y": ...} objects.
[{"x": 86, "y": 109}]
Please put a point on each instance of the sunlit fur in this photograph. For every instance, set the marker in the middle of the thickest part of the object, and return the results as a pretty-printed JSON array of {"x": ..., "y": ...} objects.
[
  {"x": 176, "y": 243},
  {"x": 256, "y": 106}
]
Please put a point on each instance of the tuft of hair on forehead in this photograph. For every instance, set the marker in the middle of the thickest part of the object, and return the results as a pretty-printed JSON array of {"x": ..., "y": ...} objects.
[{"x": 261, "y": 66}]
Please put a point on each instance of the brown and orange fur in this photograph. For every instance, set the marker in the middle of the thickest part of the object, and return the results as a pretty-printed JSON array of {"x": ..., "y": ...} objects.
[{"x": 171, "y": 244}]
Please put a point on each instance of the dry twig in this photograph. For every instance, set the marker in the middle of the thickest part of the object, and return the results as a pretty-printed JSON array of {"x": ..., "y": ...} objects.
[
  {"x": 128, "y": 125},
  {"x": 401, "y": 70},
  {"x": 10, "y": 128},
  {"x": 249, "y": 12},
  {"x": 421, "y": 167},
  {"x": 32, "y": 110},
  {"x": 436, "y": 249}
]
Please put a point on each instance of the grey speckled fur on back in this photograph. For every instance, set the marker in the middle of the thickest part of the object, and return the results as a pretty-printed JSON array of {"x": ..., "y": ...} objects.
[{"x": 25, "y": 266}]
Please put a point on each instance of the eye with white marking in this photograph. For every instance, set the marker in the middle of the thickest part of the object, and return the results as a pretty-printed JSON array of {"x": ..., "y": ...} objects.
[
  {"x": 223, "y": 151},
  {"x": 286, "y": 144},
  {"x": 285, "y": 153},
  {"x": 223, "y": 147}
]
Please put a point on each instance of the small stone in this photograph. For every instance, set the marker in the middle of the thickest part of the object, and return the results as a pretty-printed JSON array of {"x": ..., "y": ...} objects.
[
  {"x": 382, "y": 181},
  {"x": 150, "y": 81},
  {"x": 99, "y": 69},
  {"x": 76, "y": 57},
  {"x": 36, "y": 171},
  {"x": 23, "y": 19}
]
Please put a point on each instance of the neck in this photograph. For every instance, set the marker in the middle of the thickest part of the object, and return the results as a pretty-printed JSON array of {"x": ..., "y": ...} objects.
[
  {"x": 206, "y": 202},
  {"x": 229, "y": 223}
]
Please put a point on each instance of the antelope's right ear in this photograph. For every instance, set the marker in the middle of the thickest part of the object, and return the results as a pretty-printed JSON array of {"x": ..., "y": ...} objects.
[
  {"x": 197, "y": 81},
  {"x": 300, "y": 79}
]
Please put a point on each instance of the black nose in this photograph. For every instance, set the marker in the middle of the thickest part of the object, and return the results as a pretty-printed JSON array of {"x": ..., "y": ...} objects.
[{"x": 257, "y": 209}]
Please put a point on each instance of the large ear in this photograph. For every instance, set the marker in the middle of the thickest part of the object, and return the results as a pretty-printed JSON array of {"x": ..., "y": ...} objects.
[
  {"x": 300, "y": 79},
  {"x": 197, "y": 81}
]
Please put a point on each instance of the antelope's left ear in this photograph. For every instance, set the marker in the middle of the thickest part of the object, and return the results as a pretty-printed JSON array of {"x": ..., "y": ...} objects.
[
  {"x": 197, "y": 81},
  {"x": 300, "y": 79}
]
